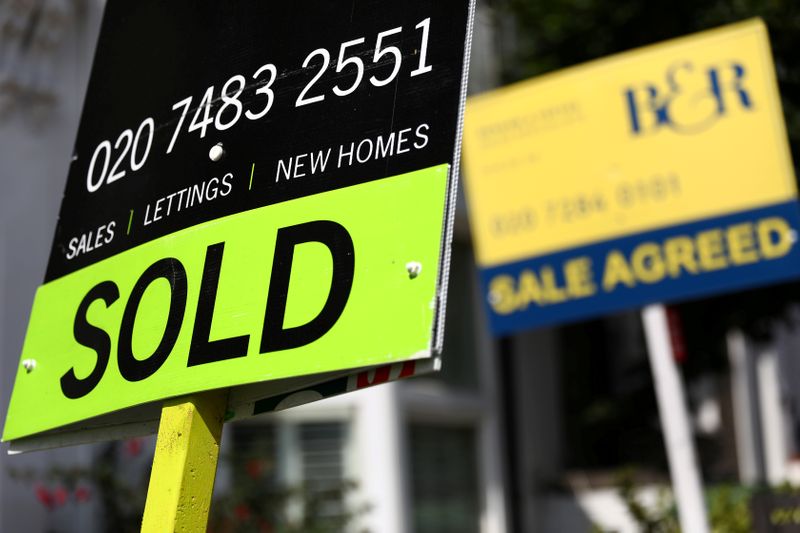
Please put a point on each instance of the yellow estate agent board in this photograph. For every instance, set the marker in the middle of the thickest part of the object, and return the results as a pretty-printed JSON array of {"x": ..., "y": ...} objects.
[{"x": 654, "y": 175}]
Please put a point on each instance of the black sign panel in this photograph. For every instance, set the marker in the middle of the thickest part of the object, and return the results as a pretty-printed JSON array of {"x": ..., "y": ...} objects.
[
  {"x": 197, "y": 110},
  {"x": 775, "y": 512}
]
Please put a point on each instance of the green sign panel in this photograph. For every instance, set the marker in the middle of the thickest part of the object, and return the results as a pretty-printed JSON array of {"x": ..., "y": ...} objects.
[{"x": 308, "y": 286}]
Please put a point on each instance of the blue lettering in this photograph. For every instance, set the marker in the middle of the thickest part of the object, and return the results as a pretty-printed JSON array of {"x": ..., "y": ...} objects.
[{"x": 719, "y": 95}]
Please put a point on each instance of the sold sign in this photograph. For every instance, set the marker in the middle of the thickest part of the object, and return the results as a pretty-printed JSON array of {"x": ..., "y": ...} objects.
[{"x": 240, "y": 211}]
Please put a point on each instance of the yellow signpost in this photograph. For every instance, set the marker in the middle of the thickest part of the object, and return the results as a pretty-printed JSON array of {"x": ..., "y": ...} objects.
[{"x": 185, "y": 463}]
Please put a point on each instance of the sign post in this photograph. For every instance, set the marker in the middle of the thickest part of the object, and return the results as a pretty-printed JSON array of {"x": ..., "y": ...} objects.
[
  {"x": 679, "y": 443},
  {"x": 244, "y": 215},
  {"x": 185, "y": 463},
  {"x": 657, "y": 175}
]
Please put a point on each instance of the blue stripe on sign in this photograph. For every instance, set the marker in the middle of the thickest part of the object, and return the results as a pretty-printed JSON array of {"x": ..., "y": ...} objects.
[{"x": 712, "y": 256}]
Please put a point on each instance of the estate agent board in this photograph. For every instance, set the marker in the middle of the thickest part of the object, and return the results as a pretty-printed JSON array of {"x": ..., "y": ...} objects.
[
  {"x": 259, "y": 192},
  {"x": 655, "y": 175}
]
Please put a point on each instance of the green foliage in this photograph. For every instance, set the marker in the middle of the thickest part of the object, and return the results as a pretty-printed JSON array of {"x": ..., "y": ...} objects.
[
  {"x": 119, "y": 476},
  {"x": 660, "y": 518},
  {"x": 117, "y": 479},
  {"x": 728, "y": 508},
  {"x": 257, "y": 502},
  {"x": 270, "y": 510}
]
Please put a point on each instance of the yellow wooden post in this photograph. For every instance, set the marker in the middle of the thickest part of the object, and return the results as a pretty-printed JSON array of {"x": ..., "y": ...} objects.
[{"x": 185, "y": 463}]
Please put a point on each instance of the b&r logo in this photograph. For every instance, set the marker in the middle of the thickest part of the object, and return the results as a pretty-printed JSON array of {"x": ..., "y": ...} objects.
[{"x": 691, "y": 100}]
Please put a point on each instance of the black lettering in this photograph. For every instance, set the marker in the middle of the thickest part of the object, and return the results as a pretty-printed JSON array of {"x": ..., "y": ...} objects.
[
  {"x": 333, "y": 235},
  {"x": 203, "y": 350},
  {"x": 131, "y": 367},
  {"x": 91, "y": 337}
]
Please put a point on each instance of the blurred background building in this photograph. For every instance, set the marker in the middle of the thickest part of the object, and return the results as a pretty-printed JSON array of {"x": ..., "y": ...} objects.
[{"x": 550, "y": 431}]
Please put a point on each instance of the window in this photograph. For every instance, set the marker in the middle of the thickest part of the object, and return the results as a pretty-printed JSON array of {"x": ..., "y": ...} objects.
[
  {"x": 322, "y": 459},
  {"x": 444, "y": 466},
  {"x": 288, "y": 476}
]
